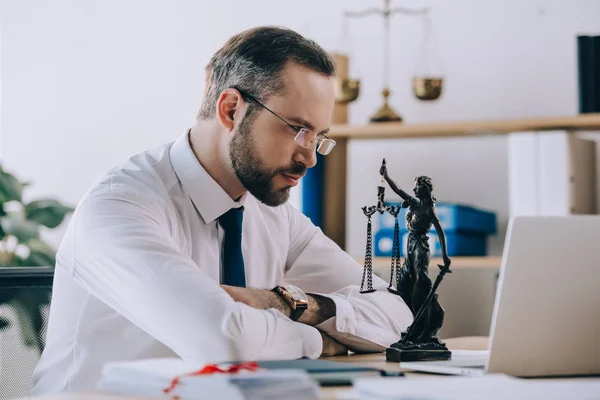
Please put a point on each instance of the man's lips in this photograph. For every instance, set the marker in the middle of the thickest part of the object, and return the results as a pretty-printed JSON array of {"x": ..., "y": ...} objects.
[{"x": 292, "y": 179}]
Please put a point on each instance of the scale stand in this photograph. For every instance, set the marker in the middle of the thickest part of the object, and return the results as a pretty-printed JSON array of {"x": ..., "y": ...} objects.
[
  {"x": 385, "y": 113},
  {"x": 368, "y": 265}
]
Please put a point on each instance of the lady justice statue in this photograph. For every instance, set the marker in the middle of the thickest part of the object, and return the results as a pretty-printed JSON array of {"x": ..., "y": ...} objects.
[{"x": 420, "y": 342}]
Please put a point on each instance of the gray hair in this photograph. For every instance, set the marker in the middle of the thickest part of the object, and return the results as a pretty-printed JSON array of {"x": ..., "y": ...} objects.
[{"x": 253, "y": 60}]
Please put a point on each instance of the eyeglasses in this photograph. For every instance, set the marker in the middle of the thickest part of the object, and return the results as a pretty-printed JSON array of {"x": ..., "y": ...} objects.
[{"x": 304, "y": 137}]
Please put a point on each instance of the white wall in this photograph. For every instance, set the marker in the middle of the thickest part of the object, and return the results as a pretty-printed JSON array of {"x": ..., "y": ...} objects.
[{"x": 86, "y": 83}]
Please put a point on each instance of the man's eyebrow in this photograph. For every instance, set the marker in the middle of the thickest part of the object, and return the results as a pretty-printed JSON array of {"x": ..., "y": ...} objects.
[{"x": 304, "y": 123}]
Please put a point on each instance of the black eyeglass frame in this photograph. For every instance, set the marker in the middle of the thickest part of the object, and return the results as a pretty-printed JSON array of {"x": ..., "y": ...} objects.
[{"x": 324, "y": 144}]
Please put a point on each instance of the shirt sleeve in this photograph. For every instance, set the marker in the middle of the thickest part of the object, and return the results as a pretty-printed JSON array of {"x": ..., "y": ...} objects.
[
  {"x": 126, "y": 257},
  {"x": 368, "y": 322}
]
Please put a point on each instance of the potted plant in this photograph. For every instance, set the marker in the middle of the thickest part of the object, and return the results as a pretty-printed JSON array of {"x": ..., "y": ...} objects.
[{"x": 22, "y": 246}]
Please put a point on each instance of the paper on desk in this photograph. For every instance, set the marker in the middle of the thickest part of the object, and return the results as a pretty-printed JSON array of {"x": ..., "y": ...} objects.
[
  {"x": 150, "y": 377},
  {"x": 463, "y": 362},
  {"x": 489, "y": 387}
]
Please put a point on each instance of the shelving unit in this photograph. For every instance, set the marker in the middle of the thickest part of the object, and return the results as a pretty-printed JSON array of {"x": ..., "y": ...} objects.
[
  {"x": 492, "y": 262},
  {"x": 394, "y": 130},
  {"x": 381, "y": 265},
  {"x": 335, "y": 164}
]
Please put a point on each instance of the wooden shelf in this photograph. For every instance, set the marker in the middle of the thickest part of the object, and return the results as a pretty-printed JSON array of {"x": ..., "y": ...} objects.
[
  {"x": 493, "y": 262},
  {"x": 335, "y": 164},
  {"x": 468, "y": 128}
]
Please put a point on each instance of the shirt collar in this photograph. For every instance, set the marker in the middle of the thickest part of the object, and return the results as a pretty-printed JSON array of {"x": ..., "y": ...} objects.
[{"x": 208, "y": 196}]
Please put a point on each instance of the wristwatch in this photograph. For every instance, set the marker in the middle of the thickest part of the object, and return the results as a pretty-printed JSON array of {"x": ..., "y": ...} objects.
[{"x": 296, "y": 299}]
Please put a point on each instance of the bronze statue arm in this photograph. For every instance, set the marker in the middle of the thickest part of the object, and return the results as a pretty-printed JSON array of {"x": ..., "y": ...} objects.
[
  {"x": 442, "y": 237},
  {"x": 397, "y": 190},
  {"x": 405, "y": 196}
]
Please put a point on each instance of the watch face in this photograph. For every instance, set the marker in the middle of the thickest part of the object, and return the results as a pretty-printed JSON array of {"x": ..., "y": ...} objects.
[{"x": 297, "y": 294}]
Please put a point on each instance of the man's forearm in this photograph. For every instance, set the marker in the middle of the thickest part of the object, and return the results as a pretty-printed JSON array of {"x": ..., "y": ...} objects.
[{"x": 320, "y": 308}]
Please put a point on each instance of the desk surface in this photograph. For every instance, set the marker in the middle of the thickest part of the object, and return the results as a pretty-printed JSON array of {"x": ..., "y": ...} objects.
[
  {"x": 378, "y": 360},
  {"x": 371, "y": 360}
]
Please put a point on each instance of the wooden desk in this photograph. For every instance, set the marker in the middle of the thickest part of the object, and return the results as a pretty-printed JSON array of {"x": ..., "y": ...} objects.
[
  {"x": 370, "y": 360},
  {"x": 379, "y": 361}
]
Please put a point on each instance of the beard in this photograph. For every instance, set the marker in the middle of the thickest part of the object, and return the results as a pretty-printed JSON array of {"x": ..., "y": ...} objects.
[{"x": 253, "y": 173}]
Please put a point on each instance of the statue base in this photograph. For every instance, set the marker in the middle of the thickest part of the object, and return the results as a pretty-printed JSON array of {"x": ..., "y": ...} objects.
[{"x": 408, "y": 351}]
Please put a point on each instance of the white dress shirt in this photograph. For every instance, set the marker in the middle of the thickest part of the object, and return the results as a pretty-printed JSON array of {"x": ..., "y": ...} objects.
[{"x": 138, "y": 271}]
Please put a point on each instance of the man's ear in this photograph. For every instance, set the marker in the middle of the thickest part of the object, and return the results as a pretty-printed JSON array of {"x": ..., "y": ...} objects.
[{"x": 228, "y": 107}]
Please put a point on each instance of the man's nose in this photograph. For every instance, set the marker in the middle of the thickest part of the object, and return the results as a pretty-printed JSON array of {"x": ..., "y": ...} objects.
[{"x": 308, "y": 157}]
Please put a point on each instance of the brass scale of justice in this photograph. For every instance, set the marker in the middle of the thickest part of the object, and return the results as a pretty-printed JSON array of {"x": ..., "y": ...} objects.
[{"x": 425, "y": 87}]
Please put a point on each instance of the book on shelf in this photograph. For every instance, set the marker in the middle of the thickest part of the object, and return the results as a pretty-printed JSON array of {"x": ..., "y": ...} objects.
[{"x": 588, "y": 73}]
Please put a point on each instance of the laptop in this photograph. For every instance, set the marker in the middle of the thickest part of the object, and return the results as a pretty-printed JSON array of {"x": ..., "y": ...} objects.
[{"x": 546, "y": 318}]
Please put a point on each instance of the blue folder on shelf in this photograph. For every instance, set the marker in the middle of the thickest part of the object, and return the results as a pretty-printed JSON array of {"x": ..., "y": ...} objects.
[
  {"x": 466, "y": 228},
  {"x": 453, "y": 218},
  {"x": 313, "y": 193},
  {"x": 457, "y": 244}
]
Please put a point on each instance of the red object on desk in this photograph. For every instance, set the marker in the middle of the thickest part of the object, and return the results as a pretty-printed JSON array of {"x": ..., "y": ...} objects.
[{"x": 214, "y": 369}]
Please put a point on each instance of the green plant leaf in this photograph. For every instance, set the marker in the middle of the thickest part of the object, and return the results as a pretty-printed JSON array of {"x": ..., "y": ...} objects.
[
  {"x": 40, "y": 260},
  {"x": 41, "y": 254},
  {"x": 22, "y": 229},
  {"x": 10, "y": 187},
  {"x": 47, "y": 212},
  {"x": 18, "y": 262}
]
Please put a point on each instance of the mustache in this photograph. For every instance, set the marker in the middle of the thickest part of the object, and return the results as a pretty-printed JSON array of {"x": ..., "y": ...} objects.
[{"x": 296, "y": 169}]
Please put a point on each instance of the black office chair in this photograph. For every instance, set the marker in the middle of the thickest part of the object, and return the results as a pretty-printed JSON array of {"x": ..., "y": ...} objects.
[{"x": 25, "y": 294}]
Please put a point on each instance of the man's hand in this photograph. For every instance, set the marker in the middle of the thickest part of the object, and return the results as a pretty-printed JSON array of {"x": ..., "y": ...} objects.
[
  {"x": 319, "y": 308},
  {"x": 258, "y": 298},
  {"x": 332, "y": 347}
]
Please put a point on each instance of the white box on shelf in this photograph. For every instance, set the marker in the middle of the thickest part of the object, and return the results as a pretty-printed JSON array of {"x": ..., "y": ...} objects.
[{"x": 551, "y": 173}]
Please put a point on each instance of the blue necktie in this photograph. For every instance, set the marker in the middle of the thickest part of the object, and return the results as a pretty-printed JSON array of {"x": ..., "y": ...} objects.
[{"x": 233, "y": 260}]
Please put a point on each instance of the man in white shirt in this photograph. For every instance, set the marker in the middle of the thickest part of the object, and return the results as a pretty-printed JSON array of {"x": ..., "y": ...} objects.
[{"x": 191, "y": 251}]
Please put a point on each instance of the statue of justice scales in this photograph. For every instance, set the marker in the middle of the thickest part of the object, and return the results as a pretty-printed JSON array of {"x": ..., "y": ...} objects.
[{"x": 420, "y": 341}]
